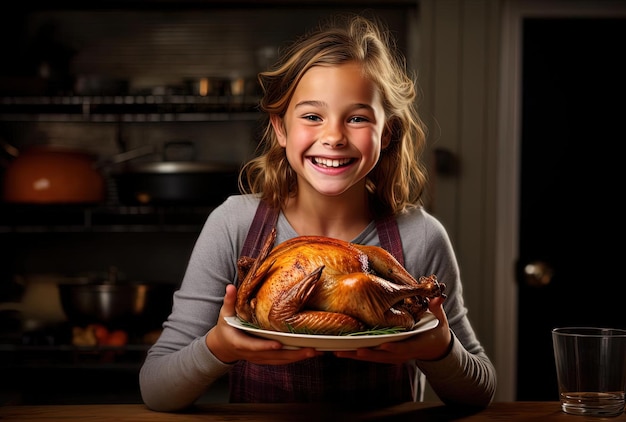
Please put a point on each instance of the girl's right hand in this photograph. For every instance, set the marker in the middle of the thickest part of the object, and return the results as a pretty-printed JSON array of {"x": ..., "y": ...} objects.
[{"x": 229, "y": 344}]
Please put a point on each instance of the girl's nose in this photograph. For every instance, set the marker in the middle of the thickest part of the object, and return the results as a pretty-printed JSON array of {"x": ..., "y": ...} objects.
[{"x": 333, "y": 137}]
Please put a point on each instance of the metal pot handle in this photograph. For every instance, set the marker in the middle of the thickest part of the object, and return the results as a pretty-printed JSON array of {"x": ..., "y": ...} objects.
[
  {"x": 132, "y": 154},
  {"x": 9, "y": 149}
]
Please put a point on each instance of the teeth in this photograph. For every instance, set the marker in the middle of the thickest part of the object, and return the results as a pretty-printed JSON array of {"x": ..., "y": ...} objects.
[{"x": 331, "y": 163}]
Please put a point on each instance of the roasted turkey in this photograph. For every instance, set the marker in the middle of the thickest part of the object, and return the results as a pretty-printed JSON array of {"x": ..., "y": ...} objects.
[{"x": 321, "y": 285}]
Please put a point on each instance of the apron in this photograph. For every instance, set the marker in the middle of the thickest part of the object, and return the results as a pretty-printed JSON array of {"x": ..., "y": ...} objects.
[{"x": 325, "y": 378}]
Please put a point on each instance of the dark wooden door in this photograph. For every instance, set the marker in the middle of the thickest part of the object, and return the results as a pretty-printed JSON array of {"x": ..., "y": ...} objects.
[{"x": 572, "y": 187}]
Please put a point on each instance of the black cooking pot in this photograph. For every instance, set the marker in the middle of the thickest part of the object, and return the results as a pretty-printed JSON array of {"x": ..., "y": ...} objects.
[{"x": 175, "y": 182}]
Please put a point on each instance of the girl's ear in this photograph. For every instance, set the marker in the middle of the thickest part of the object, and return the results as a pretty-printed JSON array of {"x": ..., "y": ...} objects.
[
  {"x": 386, "y": 138},
  {"x": 279, "y": 129}
]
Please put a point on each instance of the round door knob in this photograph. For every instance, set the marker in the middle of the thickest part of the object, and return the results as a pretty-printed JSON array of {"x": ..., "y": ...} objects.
[{"x": 538, "y": 273}]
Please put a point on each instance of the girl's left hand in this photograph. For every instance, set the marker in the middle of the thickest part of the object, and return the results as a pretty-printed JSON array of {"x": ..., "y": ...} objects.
[{"x": 429, "y": 345}]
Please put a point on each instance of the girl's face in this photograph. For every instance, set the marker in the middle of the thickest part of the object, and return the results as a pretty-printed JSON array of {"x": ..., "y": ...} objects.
[{"x": 333, "y": 129}]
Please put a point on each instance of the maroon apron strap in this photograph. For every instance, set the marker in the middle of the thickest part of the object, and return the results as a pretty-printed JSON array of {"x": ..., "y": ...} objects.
[
  {"x": 264, "y": 220},
  {"x": 389, "y": 236}
]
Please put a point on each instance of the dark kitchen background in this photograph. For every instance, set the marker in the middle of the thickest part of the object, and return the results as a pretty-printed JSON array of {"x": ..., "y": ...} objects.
[{"x": 126, "y": 88}]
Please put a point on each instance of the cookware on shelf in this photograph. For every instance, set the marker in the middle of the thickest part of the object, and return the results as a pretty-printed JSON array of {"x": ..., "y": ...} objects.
[
  {"x": 130, "y": 305},
  {"x": 48, "y": 174},
  {"x": 177, "y": 179}
]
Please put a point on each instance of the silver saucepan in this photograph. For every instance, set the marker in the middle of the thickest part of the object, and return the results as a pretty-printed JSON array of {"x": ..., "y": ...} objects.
[{"x": 137, "y": 307}]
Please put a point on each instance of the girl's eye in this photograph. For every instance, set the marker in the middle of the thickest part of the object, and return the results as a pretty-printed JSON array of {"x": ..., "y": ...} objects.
[
  {"x": 358, "y": 119},
  {"x": 312, "y": 117}
]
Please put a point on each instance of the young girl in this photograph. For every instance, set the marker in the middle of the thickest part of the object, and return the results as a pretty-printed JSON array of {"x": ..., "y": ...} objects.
[{"x": 340, "y": 158}]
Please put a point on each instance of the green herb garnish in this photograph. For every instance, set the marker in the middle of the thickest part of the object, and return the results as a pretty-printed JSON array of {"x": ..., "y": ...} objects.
[{"x": 378, "y": 331}]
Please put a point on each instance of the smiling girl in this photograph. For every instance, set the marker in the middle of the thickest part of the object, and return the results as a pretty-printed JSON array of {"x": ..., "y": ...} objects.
[{"x": 340, "y": 157}]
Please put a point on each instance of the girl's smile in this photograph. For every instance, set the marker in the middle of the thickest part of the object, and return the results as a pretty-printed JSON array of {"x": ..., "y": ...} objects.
[{"x": 329, "y": 162}]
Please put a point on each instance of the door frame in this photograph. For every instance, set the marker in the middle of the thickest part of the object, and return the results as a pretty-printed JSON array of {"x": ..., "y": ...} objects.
[{"x": 508, "y": 167}]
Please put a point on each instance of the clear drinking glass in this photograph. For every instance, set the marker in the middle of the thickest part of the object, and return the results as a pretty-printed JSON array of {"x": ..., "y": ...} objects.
[{"x": 591, "y": 369}]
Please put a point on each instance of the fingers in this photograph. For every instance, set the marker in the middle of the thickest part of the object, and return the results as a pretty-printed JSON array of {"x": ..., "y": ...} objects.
[
  {"x": 435, "y": 305},
  {"x": 429, "y": 345},
  {"x": 228, "y": 308},
  {"x": 229, "y": 344}
]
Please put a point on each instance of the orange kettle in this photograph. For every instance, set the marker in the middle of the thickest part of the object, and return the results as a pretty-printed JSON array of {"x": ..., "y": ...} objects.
[{"x": 48, "y": 174}]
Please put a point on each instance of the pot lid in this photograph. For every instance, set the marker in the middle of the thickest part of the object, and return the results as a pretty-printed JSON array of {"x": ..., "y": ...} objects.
[{"x": 170, "y": 167}]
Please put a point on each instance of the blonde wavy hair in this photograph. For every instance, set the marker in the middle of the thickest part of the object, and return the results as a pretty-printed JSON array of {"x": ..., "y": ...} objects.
[{"x": 398, "y": 180}]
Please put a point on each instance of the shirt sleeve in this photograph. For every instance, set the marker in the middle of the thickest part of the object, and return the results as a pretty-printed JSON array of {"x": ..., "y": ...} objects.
[
  {"x": 179, "y": 367},
  {"x": 466, "y": 375}
]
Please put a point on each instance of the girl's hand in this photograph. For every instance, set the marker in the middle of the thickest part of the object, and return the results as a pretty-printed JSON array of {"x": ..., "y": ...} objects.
[
  {"x": 229, "y": 344},
  {"x": 429, "y": 345}
]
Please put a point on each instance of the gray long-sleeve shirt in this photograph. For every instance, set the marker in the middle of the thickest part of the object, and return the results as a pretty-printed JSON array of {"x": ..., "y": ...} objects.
[{"x": 179, "y": 367}]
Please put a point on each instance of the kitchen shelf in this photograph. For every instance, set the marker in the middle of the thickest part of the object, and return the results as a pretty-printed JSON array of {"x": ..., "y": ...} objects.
[
  {"x": 16, "y": 218},
  {"x": 73, "y": 357},
  {"x": 51, "y": 347},
  {"x": 129, "y": 108}
]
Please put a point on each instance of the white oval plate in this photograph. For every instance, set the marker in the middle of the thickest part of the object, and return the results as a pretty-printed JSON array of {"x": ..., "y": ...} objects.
[{"x": 335, "y": 343}]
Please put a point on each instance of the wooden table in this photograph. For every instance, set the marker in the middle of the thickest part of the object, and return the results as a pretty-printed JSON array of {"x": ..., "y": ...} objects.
[{"x": 510, "y": 411}]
